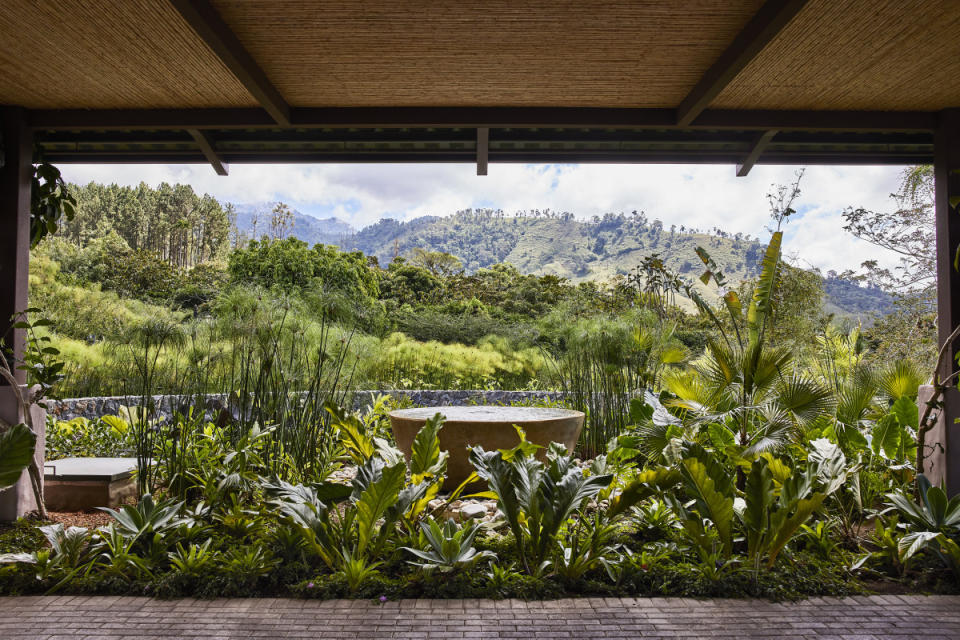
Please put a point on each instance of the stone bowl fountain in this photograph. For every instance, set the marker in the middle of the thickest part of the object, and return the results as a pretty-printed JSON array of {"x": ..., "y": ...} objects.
[{"x": 491, "y": 427}]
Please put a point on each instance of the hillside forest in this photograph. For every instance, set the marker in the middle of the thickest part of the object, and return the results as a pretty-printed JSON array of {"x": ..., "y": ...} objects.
[{"x": 477, "y": 299}]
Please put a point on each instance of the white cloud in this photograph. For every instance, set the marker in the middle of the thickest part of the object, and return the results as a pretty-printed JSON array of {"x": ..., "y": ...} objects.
[{"x": 701, "y": 196}]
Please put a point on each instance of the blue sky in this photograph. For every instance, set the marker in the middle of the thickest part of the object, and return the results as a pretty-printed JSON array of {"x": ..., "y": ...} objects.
[{"x": 700, "y": 196}]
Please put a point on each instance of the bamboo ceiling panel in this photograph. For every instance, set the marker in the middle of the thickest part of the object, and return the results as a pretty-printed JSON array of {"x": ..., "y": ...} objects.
[
  {"x": 857, "y": 54},
  {"x": 615, "y": 53},
  {"x": 108, "y": 54}
]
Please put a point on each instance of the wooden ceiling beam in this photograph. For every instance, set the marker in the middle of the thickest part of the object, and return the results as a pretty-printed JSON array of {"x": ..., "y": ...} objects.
[
  {"x": 759, "y": 145},
  {"x": 206, "y": 146},
  {"x": 468, "y": 157},
  {"x": 474, "y": 117},
  {"x": 772, "y": 17},
  {"x": 483, "y": 150},
  {"x": 211, "y": 28}
]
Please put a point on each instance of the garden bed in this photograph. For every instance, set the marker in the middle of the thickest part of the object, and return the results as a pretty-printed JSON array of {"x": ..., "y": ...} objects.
[{"x": 371, "y": 524}]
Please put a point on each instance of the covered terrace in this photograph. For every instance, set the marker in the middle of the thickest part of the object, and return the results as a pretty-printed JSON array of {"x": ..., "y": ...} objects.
[{"x": 739, "y": 82}]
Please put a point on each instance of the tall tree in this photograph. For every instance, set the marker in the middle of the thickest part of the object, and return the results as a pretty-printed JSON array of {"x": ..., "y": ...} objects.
[{"x": 281, "y": 221}]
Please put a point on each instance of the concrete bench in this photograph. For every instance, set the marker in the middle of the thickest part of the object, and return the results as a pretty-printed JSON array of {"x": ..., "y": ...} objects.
[{"x": 81, "y": 484}]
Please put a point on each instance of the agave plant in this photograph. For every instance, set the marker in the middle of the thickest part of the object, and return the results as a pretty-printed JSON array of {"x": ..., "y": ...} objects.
[{"x": 450, "y": 546}]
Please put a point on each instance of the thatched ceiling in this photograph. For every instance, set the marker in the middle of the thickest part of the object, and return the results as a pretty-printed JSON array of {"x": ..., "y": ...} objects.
[{"x": 648, "y": 67}]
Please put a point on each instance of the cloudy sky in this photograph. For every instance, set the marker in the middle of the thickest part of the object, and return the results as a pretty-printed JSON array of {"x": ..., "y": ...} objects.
[{"x": 701, "y": 196}]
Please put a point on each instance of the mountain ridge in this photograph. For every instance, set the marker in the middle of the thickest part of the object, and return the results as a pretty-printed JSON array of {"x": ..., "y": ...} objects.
[{"x": 557, "y": 243}]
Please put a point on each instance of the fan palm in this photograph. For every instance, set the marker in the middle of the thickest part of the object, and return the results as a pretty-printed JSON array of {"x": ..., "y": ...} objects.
[{"x": 742, "y": 383}]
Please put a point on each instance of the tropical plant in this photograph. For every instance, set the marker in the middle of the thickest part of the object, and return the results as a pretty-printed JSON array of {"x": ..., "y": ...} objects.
[
  {"x": 743, "y": 388},
  {"x": 71, "y": 546},
  {"x": 117, "y": 555},
  {"x": 588, "y": 545},
  {"x": 17, "y": 445},
  {"x": 448, "y": 547},
  {"x": 932, "y": 525},
  {"x": 536, "y": 498},
  {"x": 50, "y": 200},
  {"x": 105, "y": 437},
  {"x": 248, "y": 564},
  {"x": 602, "y": 363},
  {"x": 380, "y": 502},
  {"x": 14, "y": 441},
  {"x": 146, "y": 523},
  {"x": 193, "y": 560},
  {"x": 771, "y": 519}
]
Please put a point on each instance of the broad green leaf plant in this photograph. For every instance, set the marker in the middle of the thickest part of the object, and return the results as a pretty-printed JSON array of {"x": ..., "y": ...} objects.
[
  {"x": 537, "y": 498},
  {"x": 383, "y": 507}
]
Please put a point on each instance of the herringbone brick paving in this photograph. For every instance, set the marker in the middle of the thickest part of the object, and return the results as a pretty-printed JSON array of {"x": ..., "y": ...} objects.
[{"x": 125, "y": 618}]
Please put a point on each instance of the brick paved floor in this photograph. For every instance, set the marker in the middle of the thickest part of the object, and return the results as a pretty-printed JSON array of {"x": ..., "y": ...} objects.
[{"x": 115, "y": 618}]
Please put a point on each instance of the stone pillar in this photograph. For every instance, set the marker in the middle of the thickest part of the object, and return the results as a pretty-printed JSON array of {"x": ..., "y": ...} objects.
[
  {"x": 946, "y": 168},
  {"x": 19, "y": 500},
  {"x": 934, "y": 454},
  {"x": 16, "y": 142}
]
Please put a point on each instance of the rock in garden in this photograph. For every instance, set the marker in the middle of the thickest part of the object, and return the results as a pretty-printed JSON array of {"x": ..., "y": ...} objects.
[{"x": 472, "y": 510}]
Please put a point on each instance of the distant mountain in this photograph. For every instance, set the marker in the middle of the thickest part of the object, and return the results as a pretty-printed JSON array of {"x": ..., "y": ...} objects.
[
  {"x": 308, "y": 228},
  {"x": 543, "y": 242},
  {"x": 548, "y": 242},
  {"x": 559, "y": 244},
  {"x": 851, "y": 299}
]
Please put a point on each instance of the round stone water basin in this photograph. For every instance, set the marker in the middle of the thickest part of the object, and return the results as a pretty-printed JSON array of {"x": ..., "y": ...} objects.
[{"x": 491, "y": 427}]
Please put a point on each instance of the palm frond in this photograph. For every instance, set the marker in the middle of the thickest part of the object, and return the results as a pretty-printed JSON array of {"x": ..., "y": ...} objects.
[
  {"x": 901, "y": 379},
  {"x": 776, "y": 430},
  {"x": 805, "y": 398}
]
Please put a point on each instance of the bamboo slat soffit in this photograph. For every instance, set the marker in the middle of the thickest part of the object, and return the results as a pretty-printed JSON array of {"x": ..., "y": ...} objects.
[
  {"x": 865, "y": 55},
  {"x": 763, "y": 28},
  {"x": 574, "y": 80}
]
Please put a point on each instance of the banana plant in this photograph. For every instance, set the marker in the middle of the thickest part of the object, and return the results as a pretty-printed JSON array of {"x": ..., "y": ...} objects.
[
  {"x": 740, "y": 387},
  {"x": 536, "y": 498}
]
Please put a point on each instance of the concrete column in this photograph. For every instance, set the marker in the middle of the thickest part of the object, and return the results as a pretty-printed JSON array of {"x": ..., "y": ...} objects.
[
  {"x": 15, "y": 175},
  {"x": 946, "y": 168},
  {"x": 19, "y": 500}
]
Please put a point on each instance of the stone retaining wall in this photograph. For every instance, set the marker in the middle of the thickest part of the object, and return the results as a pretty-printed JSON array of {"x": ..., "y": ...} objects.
[{"x": 95, "y": 407}]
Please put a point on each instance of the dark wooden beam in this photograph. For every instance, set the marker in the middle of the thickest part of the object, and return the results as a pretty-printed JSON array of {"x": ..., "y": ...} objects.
[
  {"x": 15, "y": 180},
  {"x": 206, "y": 146},
  {"x": 763, "y": 119},
  {"x": 483, "y": 150},
  {"x": 665, "y": 156},
  {"x": 211, "y": 28},
  {"x": 947, "y": 203},
  {"x": 474, "y": 117},
  {"x": 759, "y": 145},
  {"x": 772, "y": 17}
]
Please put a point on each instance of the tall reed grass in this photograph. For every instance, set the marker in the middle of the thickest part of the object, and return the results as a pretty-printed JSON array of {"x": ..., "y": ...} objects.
[
  {"x": 602, "y": 363},
  {"x": 276, "y": 366}
]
